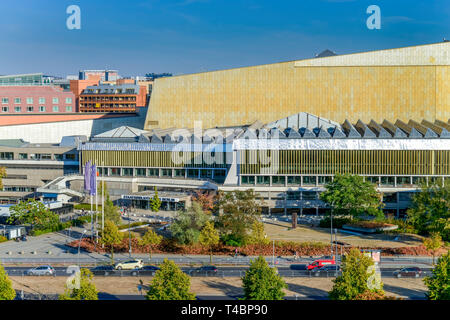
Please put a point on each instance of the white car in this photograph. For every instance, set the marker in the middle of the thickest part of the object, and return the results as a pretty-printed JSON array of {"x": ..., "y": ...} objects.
[
  {"x": 130, "y": 265},
  {"x": 41, "y": 271}
]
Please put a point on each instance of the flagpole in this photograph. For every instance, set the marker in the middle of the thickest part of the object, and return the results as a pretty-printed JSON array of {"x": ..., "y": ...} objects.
[
  {"x": 96, "y": 209},
  {"x": 103, "y": 197}
]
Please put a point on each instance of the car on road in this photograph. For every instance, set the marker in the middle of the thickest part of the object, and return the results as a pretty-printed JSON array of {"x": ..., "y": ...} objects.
[
  {"x": 408, "y": 272},
  {"x": 320, "y": 263},
  {"x": 150, "y": 270},
  {"x": 298, "y": 267},
  {"x": 206, "y": 270},
  {"x": 327, "y": 269},
  {"x": 130, "y": 265},
  {"x": 103, "y": 270},
  {"x": 41, "y": 271}
]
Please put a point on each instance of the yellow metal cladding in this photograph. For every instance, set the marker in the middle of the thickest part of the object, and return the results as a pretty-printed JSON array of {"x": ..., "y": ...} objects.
[
  {"x": 380, "y": 90},
  {"x": 151, "y": 159},
  {"x": 363, "y": 162}
]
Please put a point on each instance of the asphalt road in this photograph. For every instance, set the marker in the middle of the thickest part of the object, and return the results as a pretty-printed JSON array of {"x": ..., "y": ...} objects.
[{"x": 221, "y": 272}]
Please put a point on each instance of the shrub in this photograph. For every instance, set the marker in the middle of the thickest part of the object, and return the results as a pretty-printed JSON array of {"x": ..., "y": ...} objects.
[
  {"x": 3, "y": 239},
  {"x": 85, "y": 206},
  {"x": 232, "y": 240},
  {"x": 338, "y": 222}
]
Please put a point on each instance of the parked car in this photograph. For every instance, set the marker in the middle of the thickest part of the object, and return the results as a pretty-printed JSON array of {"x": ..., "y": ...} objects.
[
  {"x": 103, "y": 270},
  {"x": 207, "y": 270},
  {"x": 327, "y": 269},
  {"x": 41, "y": 271},
  {"x": 130, "y": 264},
  {"x": 298, "y": 267},
  {"x": 23, "y": 238},
  {"x": 320, "y": 263},
  {"x": 408, "y": 272},
  {"x": 148, "y": 270}
]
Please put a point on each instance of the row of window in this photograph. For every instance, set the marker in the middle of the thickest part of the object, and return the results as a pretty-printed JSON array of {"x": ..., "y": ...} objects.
[
  {"x": 38, "y": 156},
  {"x": 30, "y": 100},
  {"x": 31, "y": 109},
  {"x": 163, "y": 172},
  {"x": 385, "y": 181},
  {"x": 19, "y": 189},
  {"x": 388, "y": 197}
]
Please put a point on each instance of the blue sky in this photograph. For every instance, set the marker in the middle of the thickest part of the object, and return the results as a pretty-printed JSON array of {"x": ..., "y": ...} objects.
[{"x": 186, "y": 36}]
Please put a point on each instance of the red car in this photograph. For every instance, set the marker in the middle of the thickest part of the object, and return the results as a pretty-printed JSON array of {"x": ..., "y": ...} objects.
[{"x": 320, "y": 264}]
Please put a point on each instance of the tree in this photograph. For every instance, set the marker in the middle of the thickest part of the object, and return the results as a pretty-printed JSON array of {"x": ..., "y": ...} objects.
[
  {"x": 155, "y": 202},
  {"x": 33, "y": 212},
  {"x": 112, "y": 212},
  {"x": 6, "y": 289},
  {"x": 205, "y": 199},
  {"x": 350, "y": 195},
  {"x": 2, "y": 175},
  {"x": 209, "y": 237},
  {"x": 439, "y": 284},
  {"x": 86, "y": 290},
  {"x": 430, "y": 210},
  {"x": 358, "y": 276},
  {"x": 238, "y": 210},
  {"x": 262, "y": 282},
  {"x": 258, "y": 235},
  {"x": 433, "y": 243},
  {"x": 110, "y": 237},
  {"x": 170, "y": 283},
  {"x": 187, "y": 225},
  {"x": 151, "y": 238}
]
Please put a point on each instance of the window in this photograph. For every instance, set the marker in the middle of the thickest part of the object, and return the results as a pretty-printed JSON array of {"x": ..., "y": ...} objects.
[
  {"x": 71, "y": 156},
  {"x": 192, "y": 173},
  {"x": 68, "y": 100},
  {"x": 294, "y": 195},
  {"x": 41, "y": 100},
  {"x": 115, "y": 171},
  {"x": 127, "y": 171},
  {"x": 403, "y": 181},
  {"x": 30, "y": 108},
  {"x": 140, "y": 172},
  {"x": 309, "y": 195},
  {"x": 29, "y": 100},
  {"x": 248, "y": 179},
  {"x": 387, "y": 181},
  {"x": 58, "y": 157},
  {"x": 41, "y": 109},
  {"x": 294, "y": 180},
  {"x": 6, "y": 155},
  {"x": 180, "y": 172},
  {"x": 263, "y": 180},
  {"x": 153, "y": 172},
  {"x": 23, "y": 156},
  {"x": 278, "y": 180},
  {"x": 17, "y": 109},
  {"x": 324, "y": 180},
  {"x": 418, "y": 180},
  {"x": 5, "y": 109},
  {"x": 68, "y": 108},
  {"x": 5, "y": 100},
  {"x": 309, "y": 180},
  {"x": 374, "y": 180},
  {"x": 390, "y": 197},
  {"x": 55, "y": 108},
  {"x": 405, "y": 196},
  {"x": 55, "y": 100},
  {"x": 16, "y": 100},
  {"x": 166, "y": 172}
]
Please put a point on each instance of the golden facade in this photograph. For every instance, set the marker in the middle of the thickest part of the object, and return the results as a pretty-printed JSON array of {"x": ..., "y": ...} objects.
[{"x": 405, "y": 83}]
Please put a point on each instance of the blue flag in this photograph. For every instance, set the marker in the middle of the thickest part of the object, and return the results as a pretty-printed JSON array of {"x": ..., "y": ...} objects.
[
  {"x": 93, "y": 180},
  {"x": 87, "y": 176}
]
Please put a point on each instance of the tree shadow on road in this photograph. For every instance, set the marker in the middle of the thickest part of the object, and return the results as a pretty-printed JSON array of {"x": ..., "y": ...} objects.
[
  {"x": 407, "y": 292},
  {"x": 226, "y": 288},
  {"x": 307, "y": 291}
]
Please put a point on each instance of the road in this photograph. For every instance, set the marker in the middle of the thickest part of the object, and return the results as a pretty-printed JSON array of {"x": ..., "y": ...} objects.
[{"x": 221, "y": 272}]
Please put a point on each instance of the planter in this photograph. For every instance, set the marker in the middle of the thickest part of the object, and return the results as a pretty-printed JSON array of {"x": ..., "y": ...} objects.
[{"x": 369, "y": 230}]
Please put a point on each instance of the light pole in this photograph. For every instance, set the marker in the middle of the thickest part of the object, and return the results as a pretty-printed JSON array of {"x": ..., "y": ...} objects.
[
  {"x": 129, "y": 232},
  {"x": 273, "y": 253},
  {"x": 79, "y": 243}
]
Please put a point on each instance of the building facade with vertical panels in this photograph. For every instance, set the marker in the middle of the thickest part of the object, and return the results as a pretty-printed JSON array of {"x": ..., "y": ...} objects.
[{"x": 411, "y": 83}]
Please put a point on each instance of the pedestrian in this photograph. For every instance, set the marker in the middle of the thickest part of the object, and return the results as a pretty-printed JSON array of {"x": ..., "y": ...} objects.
[{"x": 236, "y": 252}]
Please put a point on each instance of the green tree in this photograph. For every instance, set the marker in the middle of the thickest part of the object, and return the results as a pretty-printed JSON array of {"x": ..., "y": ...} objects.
[
  {"x": 170, "y": 283},
  {"x": 357, "y": 278},
  {"x": 33, "y": 212},
  {"x": 2, "y": 175},
  {"x": 258, "y": 235},
  {"x": 209, "y": 237},
  {"x": 6, "y": 289},
  {"x": 155, "y": 202},
  {"x": 430, "y": 210},
  {"x": 262, "y": 282},
  {"x": 112, "y": 212},
  {"x": 188, "y": 224},
  {"x": 151, "y": 239},
  {"x": 238, "y": 210},
  {"x": 433, "y": 243},
  {"x": 86, "y": 290},
  {"x": 350, "y": 195},
  {"x": 110, "y": 237},
  {"x": 439, "y": 283}
]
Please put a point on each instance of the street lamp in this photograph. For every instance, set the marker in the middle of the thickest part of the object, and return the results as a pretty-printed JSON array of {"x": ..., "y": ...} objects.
[{"x": 79, "y": 243}]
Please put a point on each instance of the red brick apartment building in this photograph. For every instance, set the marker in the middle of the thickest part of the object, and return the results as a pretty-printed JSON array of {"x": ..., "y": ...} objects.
[
  {"x": 113, "y": 98},
  {"x": 36, "y": 99}
]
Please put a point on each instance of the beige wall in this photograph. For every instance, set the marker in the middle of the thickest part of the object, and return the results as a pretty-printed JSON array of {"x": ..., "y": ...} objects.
[{"x": 378, "y": 90}]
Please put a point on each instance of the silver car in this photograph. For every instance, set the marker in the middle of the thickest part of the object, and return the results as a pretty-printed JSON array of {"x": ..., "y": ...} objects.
[{"x": 41, "y": 271}]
